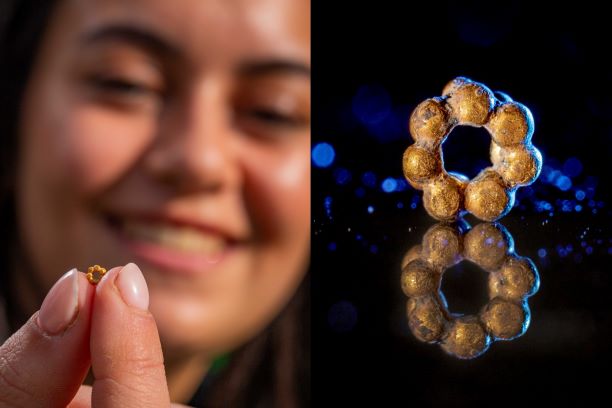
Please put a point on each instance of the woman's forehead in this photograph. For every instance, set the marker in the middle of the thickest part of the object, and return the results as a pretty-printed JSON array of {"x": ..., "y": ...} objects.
[{"x": 206, "y": 29}]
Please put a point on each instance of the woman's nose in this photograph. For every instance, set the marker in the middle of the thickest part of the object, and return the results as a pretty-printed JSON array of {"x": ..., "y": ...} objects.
[{"x": 193, "y": 149}]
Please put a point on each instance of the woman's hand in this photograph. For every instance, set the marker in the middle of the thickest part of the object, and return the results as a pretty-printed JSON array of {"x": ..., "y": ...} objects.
[{"x": 108, "y": 327}]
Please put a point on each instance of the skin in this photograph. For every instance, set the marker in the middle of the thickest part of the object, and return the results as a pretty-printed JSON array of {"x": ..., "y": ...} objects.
[{"x": 208, "y": 126}]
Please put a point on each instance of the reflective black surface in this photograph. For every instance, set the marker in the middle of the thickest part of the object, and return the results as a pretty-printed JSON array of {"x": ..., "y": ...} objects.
[{"x": 373, "y": 64}]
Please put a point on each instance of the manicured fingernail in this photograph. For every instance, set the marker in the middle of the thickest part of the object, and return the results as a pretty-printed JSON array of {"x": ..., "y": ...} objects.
[
  {"x": 133, "y": 287},
  {"x": 61, "y": 305}
]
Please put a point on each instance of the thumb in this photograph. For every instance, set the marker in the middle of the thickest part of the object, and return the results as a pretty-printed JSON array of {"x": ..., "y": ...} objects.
[{"x": 126, "y": 354}]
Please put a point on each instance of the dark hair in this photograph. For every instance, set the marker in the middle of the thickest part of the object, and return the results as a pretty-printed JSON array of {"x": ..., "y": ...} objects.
[{"x": 271, "y": 370}]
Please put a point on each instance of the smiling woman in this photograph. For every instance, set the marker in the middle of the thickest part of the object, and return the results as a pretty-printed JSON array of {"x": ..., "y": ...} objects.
[{"x": 174, "y": 135}]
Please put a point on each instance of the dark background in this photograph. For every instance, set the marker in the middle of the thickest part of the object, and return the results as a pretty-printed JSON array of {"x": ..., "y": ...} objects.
[{"x": 373, "y": 63}]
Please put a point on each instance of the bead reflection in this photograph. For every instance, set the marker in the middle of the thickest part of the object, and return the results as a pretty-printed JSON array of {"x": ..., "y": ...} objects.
[{"x": 512, "y": 279}]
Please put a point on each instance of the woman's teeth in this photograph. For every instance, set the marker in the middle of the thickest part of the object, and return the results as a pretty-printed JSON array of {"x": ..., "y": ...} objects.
[{"x": 175, "y": 237}]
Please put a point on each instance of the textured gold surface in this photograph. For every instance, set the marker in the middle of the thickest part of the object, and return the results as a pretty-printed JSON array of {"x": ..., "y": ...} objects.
[
  {"x": 515, "y": 161},
  {"x": 95, "y": 273},
  {"x": 512, "y": 279},
  {"x": 419, "y": 279},
  {"x": 466, "y": 338}
]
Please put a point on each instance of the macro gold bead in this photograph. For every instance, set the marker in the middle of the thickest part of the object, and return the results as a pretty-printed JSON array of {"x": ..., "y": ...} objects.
[
  {"x": 520, "y": 165},
  {"x": 505, "y": 319},
  {"x": 466, "y": 338},
  {"x": 516, "y": 279},
  {"x": 442, "y": 246},
  {"x": 510, "y": 124},
  {"x": 420, "y": 165},
  {"x": 95, "y": 273},
  {"x": 471, "y": 103},
  {"x": 443, "y": 198},
  {"x": 426, "y": 318},
  {"x": 487, "y": 197},
  {"x": 419, "y": 279},
  {"x": 429, "y": 122},
  {"x": 515, "y": 162},
  {"x": 487, "y": 245}
]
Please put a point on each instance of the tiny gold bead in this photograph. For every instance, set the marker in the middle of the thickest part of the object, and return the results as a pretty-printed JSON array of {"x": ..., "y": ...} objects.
[
  {"x": 466, "y": 338},
  {"x": 420, "y": 165},
  {"x": 515, "y": 161},
  {"x": 419, "y": 279},
  {"x": 95, "y": 273},
  {"x": 511, "y": 123},
  {"x": 429, "y": 123},
  {"x": 505, "y": 320},
  {"x": 487, "y": 196},
  {"x": 487, "y": 245},
  {"x": 471, "y": 103},
  {"x": 427, "y": 318}
]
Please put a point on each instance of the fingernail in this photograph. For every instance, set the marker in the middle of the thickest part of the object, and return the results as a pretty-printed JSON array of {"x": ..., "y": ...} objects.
[
  {"x": 60, "y": 306},
  {"x": 133, "y": 287}
]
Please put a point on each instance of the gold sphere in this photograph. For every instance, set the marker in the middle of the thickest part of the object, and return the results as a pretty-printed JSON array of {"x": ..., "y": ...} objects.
[
  {"x": 520, "y": 165},
  {"x": 442, "y": 246},
  {"x": 466, "y": 338},
  {"x": 443, "y": 197},
  {"x": 419, "y": 279},
  {"x": 471, "y": 103},
  {"x": 420, "y": 165},
  {"x": 505, "y": 319},
  {"x": 487, "y": 197},
  {"x": 487, "y": 245},
  {"x": 511, "y": 123},
  {"x": 426, "y": 319},
  {"x": 429, "y": 122},
  {"x": 516, "y": 279}
]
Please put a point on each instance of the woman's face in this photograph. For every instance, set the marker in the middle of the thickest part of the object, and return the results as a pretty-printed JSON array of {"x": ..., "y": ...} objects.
[{"x": 174, "y": 134}]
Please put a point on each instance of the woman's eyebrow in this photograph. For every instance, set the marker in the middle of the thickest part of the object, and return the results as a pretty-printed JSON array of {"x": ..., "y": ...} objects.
[
  {"x": 132, "y": 34},
  {"x": 274, "y": 66}
]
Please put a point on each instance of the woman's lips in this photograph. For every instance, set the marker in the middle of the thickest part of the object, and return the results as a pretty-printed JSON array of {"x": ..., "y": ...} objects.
[{"x": 172, "y": 248}]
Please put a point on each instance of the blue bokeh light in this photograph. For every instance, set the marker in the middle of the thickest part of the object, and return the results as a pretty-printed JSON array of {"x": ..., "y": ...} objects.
[
  {"x": 323, "y": 154},
  {"x": 389, "y": 185},
  {"x": 572, "y": 167}
]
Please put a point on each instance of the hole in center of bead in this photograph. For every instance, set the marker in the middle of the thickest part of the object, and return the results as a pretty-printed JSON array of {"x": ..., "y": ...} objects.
[
  {"x": 465, "y": 287},
  {"x": 466, "y": 150}
]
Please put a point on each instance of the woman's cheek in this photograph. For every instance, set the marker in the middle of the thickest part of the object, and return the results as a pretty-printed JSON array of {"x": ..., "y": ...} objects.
[
  {"x": 96, "y": 148},
  {"x": 278, "y": 191}
]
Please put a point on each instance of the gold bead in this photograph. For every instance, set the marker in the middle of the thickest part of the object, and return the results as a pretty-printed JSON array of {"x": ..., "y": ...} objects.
[
  {"x": 511, "y": 123},
  {"x": 516, "y": 279},
  {"x": 487, "y": 196},
  {"x": 471, "y": 103},
  {"x": 515, "y": 161},
  {"x": 419, "y": 279},
  {"x": 420, "y": 165},
  {"x": 505, "y": 320},
  {"x": 512, "y": 279},
  {"x": 429, "y": 123},
  {"x": 95, "y": 273},
  {"x": 520, "y": 165},
  {"x": 443, "y": 197},
  {"x": 487, "y": 245},
  {"x": 466, "y": 338},
  {"x": 442, "y": 246},
  {"x": 427, "y": 318}
]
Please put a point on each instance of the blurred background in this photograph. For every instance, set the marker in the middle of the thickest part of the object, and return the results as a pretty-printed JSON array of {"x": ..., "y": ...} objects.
[{"x": 373, "y": 63}]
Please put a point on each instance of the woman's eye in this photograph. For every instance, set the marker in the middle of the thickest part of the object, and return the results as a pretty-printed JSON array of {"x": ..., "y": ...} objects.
[
  {"x": 122, "y": 86},
  {"x": 275, "y": 117}
]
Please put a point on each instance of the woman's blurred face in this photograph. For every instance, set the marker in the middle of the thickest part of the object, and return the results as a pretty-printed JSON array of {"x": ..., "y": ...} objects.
[{"x": 174, "y": 134}]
